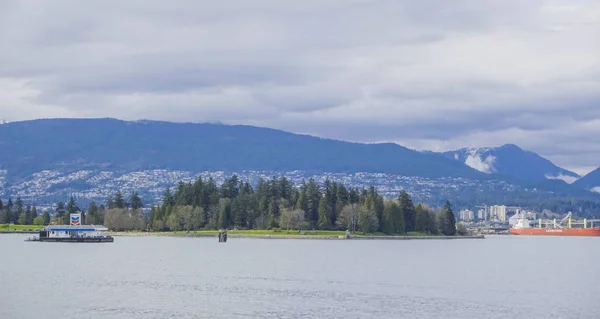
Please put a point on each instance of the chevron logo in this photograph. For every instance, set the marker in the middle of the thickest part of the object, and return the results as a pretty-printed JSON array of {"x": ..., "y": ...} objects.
[{"x": 75, "y": 219}]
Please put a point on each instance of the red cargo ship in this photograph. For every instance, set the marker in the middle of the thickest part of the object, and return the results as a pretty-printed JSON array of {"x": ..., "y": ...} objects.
[
  {"x": 556, "y": 231},
  {"x": 523, "y": 228}
]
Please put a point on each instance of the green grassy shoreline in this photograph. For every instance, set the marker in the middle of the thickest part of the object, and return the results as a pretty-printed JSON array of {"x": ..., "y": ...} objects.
[
  {"x": 18, "y": 228},
  {"x": 266, "y": 234},
  {"x": 270, "y": 234}
]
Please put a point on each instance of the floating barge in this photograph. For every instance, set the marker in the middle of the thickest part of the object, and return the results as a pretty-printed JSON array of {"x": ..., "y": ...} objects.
[{"x": 73, "y": 233}]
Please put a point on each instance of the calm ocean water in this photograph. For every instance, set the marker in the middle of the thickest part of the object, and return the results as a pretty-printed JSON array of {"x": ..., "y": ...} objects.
[{"x": 160, "y": 277}]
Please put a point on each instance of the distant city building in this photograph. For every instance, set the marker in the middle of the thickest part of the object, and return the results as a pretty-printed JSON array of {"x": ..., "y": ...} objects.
[
  {"x": 466, "y": 215},
  {"x": 498, "y": 212},
  {"x": 482, "y": 214}
]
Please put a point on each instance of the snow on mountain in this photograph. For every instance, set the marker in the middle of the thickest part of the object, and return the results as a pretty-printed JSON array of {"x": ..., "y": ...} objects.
[
  {"x": 511, "y": 160},
  {"x": 475, "y": 159}
]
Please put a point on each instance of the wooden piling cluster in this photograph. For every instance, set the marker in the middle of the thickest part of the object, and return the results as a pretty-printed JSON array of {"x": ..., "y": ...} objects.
[{"x": 223, "y": 236}]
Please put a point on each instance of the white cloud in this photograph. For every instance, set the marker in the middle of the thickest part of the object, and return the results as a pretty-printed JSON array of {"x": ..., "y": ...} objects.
[
  {"x": 566, "y": 178},
  {"x": 596, "y": 189},
  {"x": 475, "y": 161}
]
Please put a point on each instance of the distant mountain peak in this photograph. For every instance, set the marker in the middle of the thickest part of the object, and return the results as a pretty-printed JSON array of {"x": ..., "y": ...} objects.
[
  {"x": 591, "y": 181},
  {"x": 511, "y": 160},
  {"x": 511, "y": 146}
]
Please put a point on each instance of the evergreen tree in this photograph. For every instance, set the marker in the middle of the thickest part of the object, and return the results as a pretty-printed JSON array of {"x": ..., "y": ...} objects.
[
  {"x": 224, "y": 210},
  {"x": 46, "y": 217},
  {"x": 93, "y": 214},
  {"x": 110, "y": 202},
  {"x": 119, "y": 201},
  {"x": 323, "y": 222},
  {"x": 60, "y": 211},
  {"x": 421, "y": 219},
  {"x": 354, "y": 196},
  {"x": 199, "y": 192},
  {"x": 408, "y": 210},
  {"x": 378, "y": 209},
  {"x": 398, "y": 216},
  {"x": 8, "y": 212},
  {"x": 273, "y": 213},
  {"x": 447, "y": 220},
  {"x": 342, "y": 198},
  {"x": 2, "y": 213},
  {"x": 136, "y": 201},
  {"x": 28, "y": 217},
  {"x": 433, "y": 223},
  {"x": 72, "y": 206},
  {"x": 34, "y": 212},
  {"x": 313, "y": 196},
  {"x": 302, "y": 202},
  {"x": 393, "y": 219},
  {"x": 18, "y": 211},
  {"x": 262, "y": 194},
  {"x": 71, "y": 209},
  {"x": 238, "y": 211},
  {"x": 331, "y": 196},
  {"x": 285, "y": 188},
  {"x": 230, "y": 188}
]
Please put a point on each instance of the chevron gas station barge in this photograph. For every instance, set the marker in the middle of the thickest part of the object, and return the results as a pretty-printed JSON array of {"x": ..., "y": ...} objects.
[{"x": 74, "y": 233}]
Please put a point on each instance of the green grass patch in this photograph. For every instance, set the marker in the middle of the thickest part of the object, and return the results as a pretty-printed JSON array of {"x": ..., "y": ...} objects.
[
  {"x": 271, "y": 232},
  {"x": 262, "y": 232},
  {"x": 416, "y": 233},
  {"x": 6, "y": 227}
]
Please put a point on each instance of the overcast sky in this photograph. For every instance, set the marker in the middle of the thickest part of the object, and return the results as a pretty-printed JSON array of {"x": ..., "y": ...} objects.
[{"x": 435, "y": 75}]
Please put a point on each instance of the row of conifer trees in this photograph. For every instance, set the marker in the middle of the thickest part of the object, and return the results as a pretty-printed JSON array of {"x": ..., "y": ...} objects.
[{"x": 272, "y": 204}]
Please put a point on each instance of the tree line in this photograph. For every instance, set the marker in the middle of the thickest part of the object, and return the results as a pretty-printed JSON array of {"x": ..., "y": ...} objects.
[
  {"x": 17, "y": 213},
  {"x": 272, "y": 204},
  {"x": 277, "y": 204}
]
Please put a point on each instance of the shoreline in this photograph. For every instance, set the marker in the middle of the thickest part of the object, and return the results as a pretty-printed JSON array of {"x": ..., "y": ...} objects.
[
  {"x": 274, "y": 236},
  {"x": 293, "y": 236}
]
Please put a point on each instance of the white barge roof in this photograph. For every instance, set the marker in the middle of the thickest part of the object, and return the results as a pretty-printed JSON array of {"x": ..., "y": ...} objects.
[{"x": 76, "y": 228}]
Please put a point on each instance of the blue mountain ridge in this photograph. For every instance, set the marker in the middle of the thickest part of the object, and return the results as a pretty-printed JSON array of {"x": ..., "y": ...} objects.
[
  {"x": 70, "y": 144},
  {"x": 32, "y": 152},
  {"x": 123, "y": 146}
]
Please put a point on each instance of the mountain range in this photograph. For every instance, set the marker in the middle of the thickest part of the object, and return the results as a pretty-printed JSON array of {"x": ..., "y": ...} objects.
[
  {"x": 54, "y": 156},
  {"x": 64, "y": 144}
]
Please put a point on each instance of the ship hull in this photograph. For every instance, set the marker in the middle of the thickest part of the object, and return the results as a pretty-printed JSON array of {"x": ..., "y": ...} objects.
[
  {"x": 556, "y": 231},
  {"x": 77, "y": 240}
]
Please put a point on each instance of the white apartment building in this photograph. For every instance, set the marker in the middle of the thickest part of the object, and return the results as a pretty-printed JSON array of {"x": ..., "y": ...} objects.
[
  {"x": 498, "y": 212},
  {"x": 466, "y": 215},
  {"x": 482, "y": 214}
]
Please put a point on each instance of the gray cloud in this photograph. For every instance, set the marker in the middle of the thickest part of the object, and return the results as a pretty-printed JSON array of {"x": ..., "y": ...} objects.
[{"x": 426, "y": 74}]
